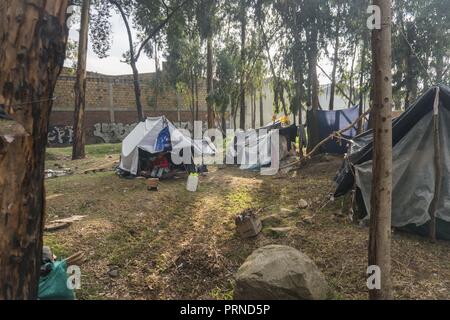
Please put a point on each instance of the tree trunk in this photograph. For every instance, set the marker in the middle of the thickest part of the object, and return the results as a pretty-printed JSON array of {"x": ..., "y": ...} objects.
[
  {"x": 380, "y": 213},
  {"x": 243, "y": 59},
  {"x": 197, "y": 109},
  {"x": 192, "y": 98},
  {"x": 361, "y": 84},
  {"x": 33, "y": 36},
  {"x": 210, "y": 84},
  {"x": 312, "y": 64},
  {"x": 79, "y": 135},
  {"x": 157, "y": 75},
  {"x": 261, "y": 106},
  {"x": 136, "y": 82},
  {"x": 335, "y": 62},
  {"x": 352, "y": 74},
  {"x": 254, "y": 109}
]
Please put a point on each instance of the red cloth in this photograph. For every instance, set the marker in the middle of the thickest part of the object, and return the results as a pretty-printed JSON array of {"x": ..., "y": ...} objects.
[{"x": 161, "y": 162}]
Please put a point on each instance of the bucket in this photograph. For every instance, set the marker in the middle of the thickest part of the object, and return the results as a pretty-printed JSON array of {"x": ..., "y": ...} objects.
[{"x": 192, "y": 183}]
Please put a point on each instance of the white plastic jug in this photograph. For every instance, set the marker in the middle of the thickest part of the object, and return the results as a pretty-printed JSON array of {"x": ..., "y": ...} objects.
[{"x": 192, "y": 183}]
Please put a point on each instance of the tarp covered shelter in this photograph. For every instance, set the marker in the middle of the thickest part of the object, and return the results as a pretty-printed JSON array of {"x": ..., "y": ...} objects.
[
  {"x": 415, "y": 164},
  {"x": 329, "y": 122},
  {"x": 154, "y": 136},
  {"x": 260, "y": 150}
]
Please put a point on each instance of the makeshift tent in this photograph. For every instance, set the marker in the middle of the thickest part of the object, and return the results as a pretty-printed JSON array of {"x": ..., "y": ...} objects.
[
  {"x": 329, "y": 122},
  {"x": 257, "y": 152},
  {"x": 155, "y": 136},
  {"x": 415, "y": 160}
]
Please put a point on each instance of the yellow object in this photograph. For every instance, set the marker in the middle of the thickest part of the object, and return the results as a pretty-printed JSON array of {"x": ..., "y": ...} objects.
[{"x": 285, "y": 120}]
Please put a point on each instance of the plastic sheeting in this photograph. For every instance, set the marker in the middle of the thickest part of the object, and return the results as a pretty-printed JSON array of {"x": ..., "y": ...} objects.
[
  {"x": 414, "y": 171},
  {"x": 252, "y": 148},
  {"x": 413, "y": 176},
  {"x": 329, "y": 122}
]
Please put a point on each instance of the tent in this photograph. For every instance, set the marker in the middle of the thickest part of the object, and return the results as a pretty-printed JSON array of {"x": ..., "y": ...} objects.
[
  {"x": 155, "y": 136},
  {"x": 257, "y": 153},
  {"x": 329, "y": 122},
  {"x": 417, "y": 155}
]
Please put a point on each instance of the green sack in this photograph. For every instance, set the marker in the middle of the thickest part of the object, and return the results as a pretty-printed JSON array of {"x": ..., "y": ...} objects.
[{"x": 54, "y": 285}]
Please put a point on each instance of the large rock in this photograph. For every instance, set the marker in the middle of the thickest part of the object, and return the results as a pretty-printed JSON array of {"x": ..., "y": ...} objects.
[{"x": 279, "y": 273}]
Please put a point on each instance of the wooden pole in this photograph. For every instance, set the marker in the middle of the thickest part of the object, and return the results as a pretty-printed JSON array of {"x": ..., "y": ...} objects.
[
  {"x": 438, "y": 167},
  {"x": 381, "y": 198}
]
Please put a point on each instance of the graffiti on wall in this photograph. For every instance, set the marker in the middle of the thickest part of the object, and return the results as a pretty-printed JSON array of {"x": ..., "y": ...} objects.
[
  {"x": 113, "y": 132},
  {"x": 60, "y": 135},
  {"x": 103, "y": 132}
]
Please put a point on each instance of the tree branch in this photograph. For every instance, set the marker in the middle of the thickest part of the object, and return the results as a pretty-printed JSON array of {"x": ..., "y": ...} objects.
[{"x": 157, "y": 29}]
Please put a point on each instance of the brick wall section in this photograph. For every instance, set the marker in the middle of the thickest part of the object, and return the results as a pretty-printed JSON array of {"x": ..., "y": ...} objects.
[{"x": 110, "y": 99}]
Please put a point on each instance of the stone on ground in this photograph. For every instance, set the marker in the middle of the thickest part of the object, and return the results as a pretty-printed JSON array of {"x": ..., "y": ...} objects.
[{"x": 279, "y": 273}]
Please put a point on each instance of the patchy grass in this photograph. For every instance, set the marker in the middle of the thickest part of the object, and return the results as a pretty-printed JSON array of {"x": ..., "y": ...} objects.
[{"x": 173, "y": 244}]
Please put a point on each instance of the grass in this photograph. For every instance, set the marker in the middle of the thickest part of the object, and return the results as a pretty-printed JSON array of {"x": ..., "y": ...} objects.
[{"x": 173, "y": 244}]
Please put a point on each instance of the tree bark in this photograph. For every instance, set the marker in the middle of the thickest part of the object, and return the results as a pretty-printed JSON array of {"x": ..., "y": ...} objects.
[
  {"x": 381, "y": 198},
  {"x": 314, "y": 82},
  {"x": 335, "y": 61},
  {"x": 261, "y": 106},
  {"x": 157, "y": 76},
  {"x": 79, "y": 136},
  {"x": 361, "y": 84},
  {"x": 33, "y": 36},
  {"x": 210, "y": 84},
  {"x": 243, "y": 60}
]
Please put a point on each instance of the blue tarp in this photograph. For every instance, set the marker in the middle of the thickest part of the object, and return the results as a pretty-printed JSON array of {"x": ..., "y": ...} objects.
[
  {"x": 163, "y": 143},
  {"x": 333, "y": 121}
]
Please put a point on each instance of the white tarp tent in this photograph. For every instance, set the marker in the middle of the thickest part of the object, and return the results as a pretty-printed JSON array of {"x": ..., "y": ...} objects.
[{"x": 145, "y": 137}]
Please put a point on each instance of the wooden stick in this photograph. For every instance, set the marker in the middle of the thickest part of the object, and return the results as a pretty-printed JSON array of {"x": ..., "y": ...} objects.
[{"x": 438, "y": 168}]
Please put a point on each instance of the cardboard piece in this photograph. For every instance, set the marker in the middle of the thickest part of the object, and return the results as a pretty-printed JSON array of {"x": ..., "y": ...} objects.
[{"x": 248, "y": 225}]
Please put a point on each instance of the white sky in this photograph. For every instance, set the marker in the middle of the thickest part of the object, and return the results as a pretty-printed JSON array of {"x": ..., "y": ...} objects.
[{"x": 112, "y": 64}]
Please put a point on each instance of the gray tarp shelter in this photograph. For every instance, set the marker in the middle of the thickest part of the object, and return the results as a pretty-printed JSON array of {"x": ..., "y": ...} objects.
[{"x": 414, "y": 165}]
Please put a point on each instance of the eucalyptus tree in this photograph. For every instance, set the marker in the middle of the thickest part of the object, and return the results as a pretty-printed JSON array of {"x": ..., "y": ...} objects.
[
  {"x": 32, "y": 51},
  {"x": 226, "y": 88},
  {"x": 79, "y": 139},
  {"x": 184, "y": 57},
  {"x": 206, "y": 13},
  {"x": 421, "y": 46},
  {"x": 150, "y": 16}
]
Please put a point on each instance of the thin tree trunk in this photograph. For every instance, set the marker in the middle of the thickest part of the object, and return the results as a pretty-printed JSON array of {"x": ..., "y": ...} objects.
[
  {"x": 361, "y": 84},
  {"x": 210, "y": 84},
  {"x": 254, "y": 109},
  {"x": 33, "y": 36},
  {"x": 136, "y": 82},
  {"x": 79, "y": 135},
  {"x": 197, "y": 109},
  {"x": 352, "y": 74},
  {"x": 261, "y": 107},
  {"x": 157, "y": 75},
  {"x": 192, "y": 98},
  {"x": 243, "y": 60},
  {"x": 381, "y": 198},
  {"x": 312, "y": 63},
  {"x": 335, "y": 61}
]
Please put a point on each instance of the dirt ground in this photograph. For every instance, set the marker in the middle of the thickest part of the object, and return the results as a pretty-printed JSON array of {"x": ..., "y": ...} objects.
[{"x": 173, "y": 244}]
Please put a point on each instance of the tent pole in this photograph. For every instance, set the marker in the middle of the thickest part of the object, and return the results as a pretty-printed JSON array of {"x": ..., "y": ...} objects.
[{"x": 438, "y": 167}]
